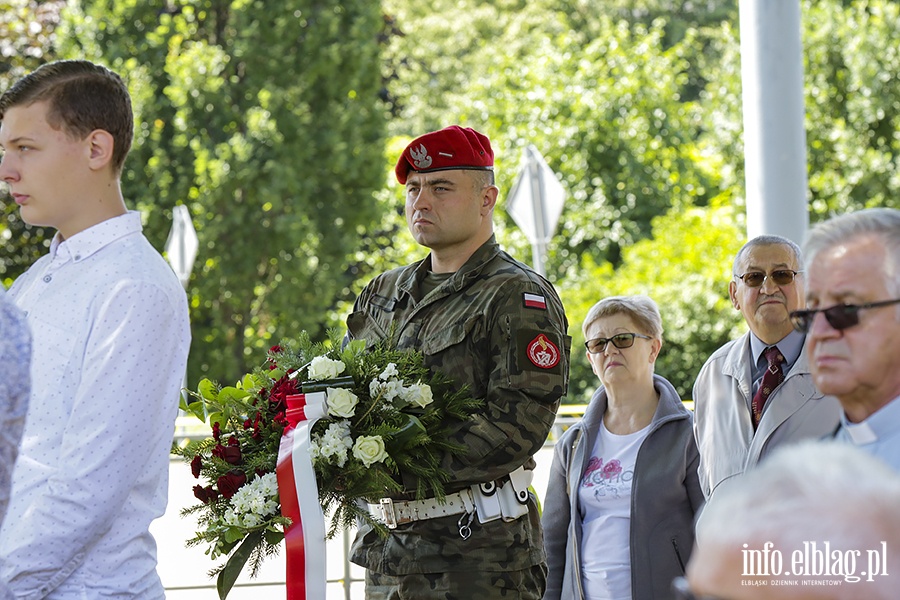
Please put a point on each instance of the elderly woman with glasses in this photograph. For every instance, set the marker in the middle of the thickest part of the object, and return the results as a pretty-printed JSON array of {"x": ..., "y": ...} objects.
[{"x": 623, "y": 489}]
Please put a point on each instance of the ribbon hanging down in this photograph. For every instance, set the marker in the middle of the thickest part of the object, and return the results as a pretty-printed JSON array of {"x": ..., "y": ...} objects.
[{"x": 305, "y": 537}]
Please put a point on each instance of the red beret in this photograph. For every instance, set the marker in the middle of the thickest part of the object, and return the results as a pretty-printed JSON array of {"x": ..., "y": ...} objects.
[{"x": 453, "y": 147}]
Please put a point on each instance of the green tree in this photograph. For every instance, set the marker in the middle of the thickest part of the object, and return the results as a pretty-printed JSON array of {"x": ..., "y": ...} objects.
[
  {"x": 852, "y": 104},
  {"x": 685, "y": 267},
  {"x": 600, "y": 98},
  {"x": 264, "y": 119}
]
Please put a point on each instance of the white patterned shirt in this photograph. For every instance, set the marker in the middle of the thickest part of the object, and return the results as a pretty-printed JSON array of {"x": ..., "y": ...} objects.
[
  {"x": 111, "y": 334},
  {"x": 15, "y": 355}
]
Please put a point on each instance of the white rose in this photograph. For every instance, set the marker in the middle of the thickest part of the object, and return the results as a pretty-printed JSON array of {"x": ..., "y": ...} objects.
[
  {"x": 341, "y": 402},
  {"x": 418, "y": 394},
  {"x": 369, "y": 449},
  {"x": 323, "y": 367}
]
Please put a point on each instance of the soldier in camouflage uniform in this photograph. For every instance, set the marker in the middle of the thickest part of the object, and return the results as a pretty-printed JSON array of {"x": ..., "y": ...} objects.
[{"x": 493, "y": 324}]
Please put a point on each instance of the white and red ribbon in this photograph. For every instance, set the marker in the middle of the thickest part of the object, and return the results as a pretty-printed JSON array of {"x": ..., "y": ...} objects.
[{"x": 305, "y": 537}]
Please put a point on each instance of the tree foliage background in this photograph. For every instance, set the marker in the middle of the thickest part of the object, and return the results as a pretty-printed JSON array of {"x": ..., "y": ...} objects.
[{"x": 277, "y": 124}]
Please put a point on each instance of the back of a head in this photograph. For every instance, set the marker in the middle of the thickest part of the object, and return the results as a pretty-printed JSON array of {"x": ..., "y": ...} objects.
[
  {"x": 808, "y": 497},
  {"x": 82, "y": 97}
]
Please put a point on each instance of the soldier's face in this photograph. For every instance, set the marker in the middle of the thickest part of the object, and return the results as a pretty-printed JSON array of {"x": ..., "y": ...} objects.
[{"x": 446, "y": 209}]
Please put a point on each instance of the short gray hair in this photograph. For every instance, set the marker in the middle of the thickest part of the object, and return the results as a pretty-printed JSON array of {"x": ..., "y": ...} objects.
[
  {"x": 642, "y": 310},
  {"x": 766, "y": 240},
  {"x": 883, "y": 223},
  {"x": 804, "y": 492}
]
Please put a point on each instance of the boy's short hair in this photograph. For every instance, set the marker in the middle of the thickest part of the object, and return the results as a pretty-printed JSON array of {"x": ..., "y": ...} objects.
[{"x": 82, "y": 97}]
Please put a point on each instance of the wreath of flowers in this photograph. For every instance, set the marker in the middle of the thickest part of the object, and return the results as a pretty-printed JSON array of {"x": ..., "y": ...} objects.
[{"x": 389, "y": 420}]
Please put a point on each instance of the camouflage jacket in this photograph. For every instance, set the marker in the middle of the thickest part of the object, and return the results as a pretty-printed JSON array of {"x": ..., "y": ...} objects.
[{"x": 499, "y": 328}]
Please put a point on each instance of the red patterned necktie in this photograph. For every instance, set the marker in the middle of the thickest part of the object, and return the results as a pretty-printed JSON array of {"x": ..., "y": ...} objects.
[{"x": 773, "y": 376}]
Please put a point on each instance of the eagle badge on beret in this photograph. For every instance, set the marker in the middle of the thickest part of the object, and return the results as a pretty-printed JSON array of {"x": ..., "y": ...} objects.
[{"x": 420, "y": 157}]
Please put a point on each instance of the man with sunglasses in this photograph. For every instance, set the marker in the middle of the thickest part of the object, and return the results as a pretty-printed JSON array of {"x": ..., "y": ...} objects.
[
  {"x": 756, "y": 393},
  {"x": 853, "y": 325}
]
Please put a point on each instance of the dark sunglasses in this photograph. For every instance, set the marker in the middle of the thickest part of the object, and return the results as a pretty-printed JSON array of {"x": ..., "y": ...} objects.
[
  {"x": 757, "y": 278},
  {"x": 683, "y": 591},
  {"x": 839, "y": 316},
  {"x": 622, "y": 340}
]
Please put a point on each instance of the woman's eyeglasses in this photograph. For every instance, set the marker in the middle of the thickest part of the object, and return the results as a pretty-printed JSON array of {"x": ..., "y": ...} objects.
[
  {"x": 757, "y": 278},
  {"x": 621, "y": 340},
  {"x": 839, "y": 316}
]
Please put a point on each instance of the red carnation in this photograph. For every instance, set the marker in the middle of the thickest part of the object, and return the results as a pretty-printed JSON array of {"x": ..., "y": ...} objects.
[
  {"x": 283, "y": 388},
  {"x": 276, "y": 349},
  {"x": 230, "y": 482},
  {"x": 230, "y": 454},
  {"x": 205, "y": 494},
  {"x": 256, "y": 420},
  {"x": 196, "y": 464}
]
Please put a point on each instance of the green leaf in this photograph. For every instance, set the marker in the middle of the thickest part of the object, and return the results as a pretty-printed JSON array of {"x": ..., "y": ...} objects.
[
  {"x": 217, "y": 418},
  {"x": 198, "y": 409},
  {"x": 233, "y": 534},
  {"x": 249, "y": 382},
  {"x": 232, "y": 569},
  {"x": 207, "y": 389},
  {"x": 274, "y": 536},
  {"x": 232, "y": 393}
]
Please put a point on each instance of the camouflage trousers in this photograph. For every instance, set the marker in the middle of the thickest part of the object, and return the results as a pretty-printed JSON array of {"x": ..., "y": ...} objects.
[{"x": 527, "y": 584}]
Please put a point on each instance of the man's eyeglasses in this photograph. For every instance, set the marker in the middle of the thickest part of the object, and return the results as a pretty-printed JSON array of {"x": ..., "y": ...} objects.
[
  {"x": 683, "y": 591},
  {"x": 622, "y": 340},
  {"x": 839, "y": 316},
  {"x": 757, "y": 278}
]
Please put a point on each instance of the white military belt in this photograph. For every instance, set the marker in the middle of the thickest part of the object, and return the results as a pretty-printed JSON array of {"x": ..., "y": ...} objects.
[{"x": 393, "y": 513}]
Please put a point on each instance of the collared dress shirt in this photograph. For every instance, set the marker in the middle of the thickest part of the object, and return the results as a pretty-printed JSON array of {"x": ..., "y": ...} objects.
[
  {"x": 879, "y": 434},
  {"x": 111, "y": 334},
  {"x": 790, "y": 346}
]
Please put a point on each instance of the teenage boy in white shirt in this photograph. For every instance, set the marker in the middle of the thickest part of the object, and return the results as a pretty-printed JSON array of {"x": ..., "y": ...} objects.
[{"x": 111, "y": 334}]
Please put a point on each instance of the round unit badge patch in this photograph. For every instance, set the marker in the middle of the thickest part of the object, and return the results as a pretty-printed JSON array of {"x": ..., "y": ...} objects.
[{"x": 542, "y": 352}]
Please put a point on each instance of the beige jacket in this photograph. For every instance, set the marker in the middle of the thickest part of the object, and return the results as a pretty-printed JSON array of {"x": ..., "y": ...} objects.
[{"x": 796, "y": 410}]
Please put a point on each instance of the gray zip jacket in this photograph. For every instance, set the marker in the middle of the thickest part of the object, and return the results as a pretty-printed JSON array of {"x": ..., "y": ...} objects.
[{"x": 665, "y": 497}]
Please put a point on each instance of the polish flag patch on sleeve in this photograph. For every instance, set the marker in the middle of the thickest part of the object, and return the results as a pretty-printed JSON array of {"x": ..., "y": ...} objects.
[{"x": 534, "y": 301}]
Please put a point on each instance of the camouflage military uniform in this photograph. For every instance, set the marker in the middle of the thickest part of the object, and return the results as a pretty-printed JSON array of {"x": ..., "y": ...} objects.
[{"x": 499, "y": 328}]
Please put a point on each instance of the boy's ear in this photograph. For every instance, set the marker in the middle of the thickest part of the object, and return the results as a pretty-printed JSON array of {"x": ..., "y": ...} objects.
[{"x": 101, "y": 145}]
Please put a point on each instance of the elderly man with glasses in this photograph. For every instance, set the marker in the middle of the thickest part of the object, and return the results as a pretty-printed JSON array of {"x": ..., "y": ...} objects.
[
  {"x": 756, "y": 393},
  {"x": 852, "y": 325}
]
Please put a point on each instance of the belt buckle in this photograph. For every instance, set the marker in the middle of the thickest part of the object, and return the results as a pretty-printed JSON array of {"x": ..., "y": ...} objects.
[{"x": 387, "y": 511}]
